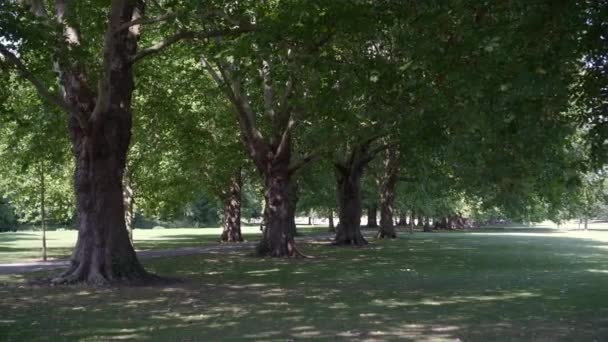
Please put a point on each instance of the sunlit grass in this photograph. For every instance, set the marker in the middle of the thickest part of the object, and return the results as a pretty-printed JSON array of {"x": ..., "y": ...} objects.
[
  {"x": 24, "y": 246},
  {"x": 438, "y": 286}
]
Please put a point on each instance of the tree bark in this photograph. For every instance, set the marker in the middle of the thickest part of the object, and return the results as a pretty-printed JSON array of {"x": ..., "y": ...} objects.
[
  {"x": 349, "y": 199},
  {"x": 278, "y": 235},
  {"x": 387, "y": 195},
  {"x": 420, "y": 223},
  {"x": 332, "y": 227},
  {"x": 129, "y": 203},
  {"x": 427, "y": 226},
  {"x": 103, "y": 252},
  {"x": 372, "y": 212},
  {"x": 232, "y": 210},
  {"x": 293, "y": 205}
]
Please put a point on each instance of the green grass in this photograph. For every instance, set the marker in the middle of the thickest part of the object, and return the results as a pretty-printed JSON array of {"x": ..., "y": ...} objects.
[
  {"x": 24, "y": 246},
  {"x": 438, "y": 286}
]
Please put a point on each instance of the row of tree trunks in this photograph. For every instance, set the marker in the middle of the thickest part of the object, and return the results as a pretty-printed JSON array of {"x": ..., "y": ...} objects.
[
  {"x": 232, "y": 210},
  {"x": 387, "y": 193}
]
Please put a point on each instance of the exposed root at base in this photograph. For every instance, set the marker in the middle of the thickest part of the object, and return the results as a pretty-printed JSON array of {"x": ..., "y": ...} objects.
[{"x": 86, "y": 276}]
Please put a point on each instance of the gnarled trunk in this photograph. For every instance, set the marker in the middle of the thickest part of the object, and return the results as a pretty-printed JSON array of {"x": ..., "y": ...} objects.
[
  {"x": 232, "y": 211},
  {"x": 349, "y": 199},
  {"x": 387, "y": 195},
  {"x": 278, "y": 235},
  {"x": 100, "y": 132},
  {"x": 103, "y": 251}
]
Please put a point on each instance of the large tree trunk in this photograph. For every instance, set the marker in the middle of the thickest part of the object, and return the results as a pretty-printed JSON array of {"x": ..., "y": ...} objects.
[
  {"x": 387, "y": 195},
  {"x": 372, "y": 212},
  {"x": 232, "y": 211},
  {"x": 349, "y": 199},
  {"x": 103, "y": 252},
  {"x": 278, "y": 235},
  {"x": 293, "y": 204}
]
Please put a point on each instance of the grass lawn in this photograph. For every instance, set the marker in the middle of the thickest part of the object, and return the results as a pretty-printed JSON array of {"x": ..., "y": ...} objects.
[
  {"x": 436, "y": 286},
  {"x": 24, "y": 246}
]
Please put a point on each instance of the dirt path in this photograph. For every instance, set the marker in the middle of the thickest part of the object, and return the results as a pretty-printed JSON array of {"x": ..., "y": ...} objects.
[{"x": 36, "y": 266}]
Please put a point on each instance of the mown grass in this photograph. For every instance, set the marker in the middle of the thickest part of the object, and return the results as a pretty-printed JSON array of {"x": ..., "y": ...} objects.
[
  {"x": 483, "y": 287},
  {"x": 25, "y": 246}
]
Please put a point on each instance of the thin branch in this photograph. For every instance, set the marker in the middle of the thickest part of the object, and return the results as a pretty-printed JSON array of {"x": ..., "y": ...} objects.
[
  {"x": 284, "y": 142},
  {"x": 268, "y": 89},
  {"x": 295, "y": 166},
  {"x": 221, "y": 83},
  {"x": 165, "y": 43},
  {"x": 26, "y": 74},
  {"x": 143, "y": 21}
]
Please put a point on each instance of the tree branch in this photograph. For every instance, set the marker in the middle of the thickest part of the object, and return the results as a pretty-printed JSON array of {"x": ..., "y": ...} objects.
[
  {"x": 295, "y": 166},
  {"x": 268, "y": 89},
  {"x": 165, "y": 43},
  {"x": 29, "y": 76},
  {"x": 143, "y": 21}
]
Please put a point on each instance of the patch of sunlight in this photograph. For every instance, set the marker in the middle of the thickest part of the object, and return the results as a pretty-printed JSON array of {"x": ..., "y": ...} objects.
[
  {"x": 262, "y": 272},
  {"x": 304, "y": 334},
  {"x": 302, "y": 328},
  {"x": 264, "y": 334},
  {"x": 136, "y": 302},
  {"x": 7, "y": 321},
  {"x": 597, "y": 271},
  {"x": 174, "y": 289},
  {"x": 393, "y": 303},
  {"x": 446, "y": 328},
  {"x": 233, "y": 309},
  {"x": 78, "y": 308},
  {"x": 338, "y": 306},
  {"x": 243, "y": 287},
  {"x": 368, "y": 315},
  {"x": 348, "y": 333},
  {"x": 601, "y": 246},
  {"x": 213, "y": 273}
]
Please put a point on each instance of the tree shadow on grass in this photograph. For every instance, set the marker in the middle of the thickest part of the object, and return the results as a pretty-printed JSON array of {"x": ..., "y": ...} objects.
[{"x": 474, "y": 288}]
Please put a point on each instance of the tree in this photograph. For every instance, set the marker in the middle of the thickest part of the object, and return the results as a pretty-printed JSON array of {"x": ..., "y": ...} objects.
[{"x": 95, "y": 60}]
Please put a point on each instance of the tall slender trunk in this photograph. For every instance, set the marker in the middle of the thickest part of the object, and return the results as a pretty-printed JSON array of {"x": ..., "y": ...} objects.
[
  {"x": 332, "y": 227},
  {"x": 103, "y": 252},
  {"x": 349, "y": 199},
  {"x": 387, "y": 194},
  {"x": 586, "y": 223},
  {"x": 232, "y": 210},
  {"x": 420, "y": 223},
  {"x": 372, "y": 212},
  {"x": 427, "y": 225},
  {"x": 43, "y": 211}
]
